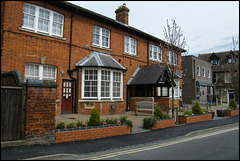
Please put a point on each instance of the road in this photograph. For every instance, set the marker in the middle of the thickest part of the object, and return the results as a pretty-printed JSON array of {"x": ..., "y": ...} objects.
[{"x": 220, "y": 144}]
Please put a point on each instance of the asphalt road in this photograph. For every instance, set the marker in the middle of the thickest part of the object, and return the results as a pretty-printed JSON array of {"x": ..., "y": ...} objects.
[
  {"x": 100, "y": 145},
  {"x": 219, "y": 145}
]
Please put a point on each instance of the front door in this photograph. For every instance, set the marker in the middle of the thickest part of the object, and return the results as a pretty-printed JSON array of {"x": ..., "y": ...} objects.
[
  {"x": 230, "y": 96},
  {"x": 67, "y": 97}
]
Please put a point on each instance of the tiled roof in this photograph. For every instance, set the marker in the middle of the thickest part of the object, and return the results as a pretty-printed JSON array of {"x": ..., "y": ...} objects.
[
  {"x": 147, "y": 75},
  {"x": 97, "y": 59},
  {"x": 223, "y": 60}
]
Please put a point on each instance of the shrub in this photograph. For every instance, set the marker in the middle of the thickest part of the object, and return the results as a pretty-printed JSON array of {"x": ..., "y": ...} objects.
[
  {"x": 71, "y": 125},
  {"x": 197, "y": 109},
  {"x": 188, "y": 113},
  {"x": 123, "y": 119},
  {"x": 111, "y": 120},
  {"x": 60, "y": 125},
  {"x": 158, "y": 114},
  {"x": 166, "y": 115},
  {"x": 232, "y": 104},
  {"x": 149, "y": 122},
  {"x": 94, "y": 118}
]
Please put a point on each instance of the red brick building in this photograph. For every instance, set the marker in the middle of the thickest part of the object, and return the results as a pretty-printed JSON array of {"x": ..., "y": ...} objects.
[{"x": 92, "y": 58}]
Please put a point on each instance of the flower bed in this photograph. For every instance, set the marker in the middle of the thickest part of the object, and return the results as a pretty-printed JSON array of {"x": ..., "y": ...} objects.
[
  {"x": 163, "y": 123},
  {"x": 194, "y": 118},
  {"x": 91, "y": 132},
  {"x": 231, "y": 113}
]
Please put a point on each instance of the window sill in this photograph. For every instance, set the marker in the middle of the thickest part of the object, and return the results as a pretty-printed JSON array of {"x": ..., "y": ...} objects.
[
  {"x": 42, "y": 34},
  {"x": 95, "y": 46},
  {"x": 99, "y": 101},
  {"x": 156, "y": 61},
  {"x": 124, "y": 53}
]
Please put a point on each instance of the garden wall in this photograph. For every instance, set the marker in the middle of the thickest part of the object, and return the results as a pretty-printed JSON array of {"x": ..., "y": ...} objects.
[
  {"x": 163, "y": 123},
  {"x": 85, "y": 133},
  {"x": 232, "y": 112},
  {"x": 194, "y": 118}
]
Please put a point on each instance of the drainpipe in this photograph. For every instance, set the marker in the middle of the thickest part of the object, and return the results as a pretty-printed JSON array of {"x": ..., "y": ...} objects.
[
  {"x": 69, "y": 69},
  {"x": 147, "y": 52}
]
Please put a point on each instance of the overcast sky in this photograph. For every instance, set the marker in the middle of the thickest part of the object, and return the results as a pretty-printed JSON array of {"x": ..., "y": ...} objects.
[{"x": 208, "y": 26}]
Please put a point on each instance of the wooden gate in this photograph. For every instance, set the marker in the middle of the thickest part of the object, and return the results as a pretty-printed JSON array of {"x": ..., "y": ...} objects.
[{"x": 12, "y": 116}]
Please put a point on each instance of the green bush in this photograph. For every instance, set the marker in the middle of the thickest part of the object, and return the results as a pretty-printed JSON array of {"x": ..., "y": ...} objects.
[
  {"x": 94, "y": 118},
  {"x": 158, "y": 114},
  {"x": 166, "y": 115},
  {"x": 232, "y": 104},
  {"x": 60, "y": 125},
  {"x": 149, "y": 122},
  {"x": 111, "y": 120},
  {"x": 197, "y": 109},
  {"x": 188, "y": 113},
  {"x": 123, "y": 119}
]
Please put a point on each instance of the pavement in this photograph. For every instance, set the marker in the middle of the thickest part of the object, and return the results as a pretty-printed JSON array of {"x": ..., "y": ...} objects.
[
  {"x": 65, "y": 150},
  {"x": 136, "y": 120}
]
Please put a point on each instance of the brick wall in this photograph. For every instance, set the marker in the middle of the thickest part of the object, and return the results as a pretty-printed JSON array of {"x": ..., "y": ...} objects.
[
  {"x": 40, "y": 115},
  {"x": 232, "y": 112},
  {"x": 163, "y": 124},
  {"x": 192, "y": 119},
  {"x": 76, "y": 135}
]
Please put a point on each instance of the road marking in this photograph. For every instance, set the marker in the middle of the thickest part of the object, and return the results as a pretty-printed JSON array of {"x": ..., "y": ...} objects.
[{"x": 110, "y": 155}]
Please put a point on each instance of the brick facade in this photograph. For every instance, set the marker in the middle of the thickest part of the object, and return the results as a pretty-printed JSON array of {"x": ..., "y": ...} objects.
[{"x": 20, "y": 47}]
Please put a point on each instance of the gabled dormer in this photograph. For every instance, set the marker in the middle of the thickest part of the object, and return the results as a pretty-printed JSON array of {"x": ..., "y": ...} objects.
[
  {"x": 214, "y": 59},
  {"x": 231, "y": 57}
]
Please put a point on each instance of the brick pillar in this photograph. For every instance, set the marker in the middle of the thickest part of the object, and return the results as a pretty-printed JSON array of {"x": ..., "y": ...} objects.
[{"x": 40, "y": 114}]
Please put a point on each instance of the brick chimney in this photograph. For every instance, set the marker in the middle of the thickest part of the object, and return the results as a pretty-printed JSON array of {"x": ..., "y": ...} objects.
[{"x": 122, "y": 13}]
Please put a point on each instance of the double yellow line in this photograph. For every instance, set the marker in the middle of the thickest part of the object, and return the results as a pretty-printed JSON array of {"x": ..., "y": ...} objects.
[{"x": 110, "y": 155}]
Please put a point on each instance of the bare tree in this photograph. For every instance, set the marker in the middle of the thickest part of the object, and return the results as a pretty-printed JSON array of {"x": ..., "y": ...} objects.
[
  {"x": 234, "y": 43},
  {"x": 175, "y": 45}
]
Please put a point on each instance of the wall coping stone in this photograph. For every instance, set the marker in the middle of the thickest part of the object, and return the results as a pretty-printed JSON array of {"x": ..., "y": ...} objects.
[{"x": 90, "y": 127}]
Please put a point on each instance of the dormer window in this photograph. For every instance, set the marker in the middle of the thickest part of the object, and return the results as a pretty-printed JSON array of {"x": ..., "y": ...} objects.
[
  {"x": 214, "y": 62},
  {"x": 231, "y": 61}
]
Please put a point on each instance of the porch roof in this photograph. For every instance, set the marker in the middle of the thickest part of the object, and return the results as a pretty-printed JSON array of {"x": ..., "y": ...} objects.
[
  {"x": 149, "y": 75},
  {"x": 97, "y": 59}
]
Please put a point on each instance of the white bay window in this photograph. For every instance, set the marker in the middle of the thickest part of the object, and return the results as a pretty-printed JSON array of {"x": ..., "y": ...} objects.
[{"x": 100, "y": 84}]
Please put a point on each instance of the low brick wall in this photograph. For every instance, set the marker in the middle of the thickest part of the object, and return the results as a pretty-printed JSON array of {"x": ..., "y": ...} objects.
[
  {"x": 232, "y": 112},
  {"x": 86, "y": 133},
  {"x": 163, "y": 123},
  {"x": 195, "y": 118}
]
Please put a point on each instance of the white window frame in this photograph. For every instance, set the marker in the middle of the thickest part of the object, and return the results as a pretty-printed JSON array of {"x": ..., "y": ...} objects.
[
  {"x": 171, "y": 54},
  {"x": 101, "y": 37},
  {"x": 203, "y": 71},
  {"x": 176, "y": 89},
  {"x": 155, "y": 53},
  {"x": 99, "y": 84},
  {"x": 50, "y": 20},
  {"x": 198, "y": 71},
  {"x": 228, "y": 78},
  {"x": 130, "y": 45},
  {"x": 208, "y": 73},
  {"x": 40, "y": 72}
]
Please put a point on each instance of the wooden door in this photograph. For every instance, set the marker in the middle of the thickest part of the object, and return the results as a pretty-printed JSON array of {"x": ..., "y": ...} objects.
[
  {"x": 67, "y": 96},
  {"x": 12, "y": 123}
]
